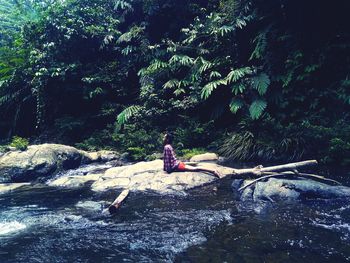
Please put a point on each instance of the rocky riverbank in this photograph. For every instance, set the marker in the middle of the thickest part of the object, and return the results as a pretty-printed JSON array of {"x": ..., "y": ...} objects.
[{"x": 43, "y": 162}]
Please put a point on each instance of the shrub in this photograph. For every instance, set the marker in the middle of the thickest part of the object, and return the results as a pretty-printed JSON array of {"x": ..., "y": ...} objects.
[
  {"x": 187, "y": 154},
  {"x": 136, "y": 153},
  {"x": 100, "y": 140},
  {"x": 19, "y": 143}
]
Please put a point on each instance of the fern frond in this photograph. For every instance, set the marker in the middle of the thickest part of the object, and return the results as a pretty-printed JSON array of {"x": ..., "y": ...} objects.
[
  {"x": 157, "y": 64},
  {"x": 210, "y": 87},
  {"x": 240, "y": 23},
  {"x": 127, "y": 113},
  {"x": 123, "y": 5},
  {"x": 238, "y": 88},
  {"x": 171, "y": 84},
  {"x": 214, "y": 74},
  {"x": 183, "y": 60},
  {"x": 257, "y": 108},
  {"x": 224, "y": 30},
  {"x": 236, "y": 104},
  {"x": 127, "y": 50},
  {"x": 261, "y": 43},
  {"x": 133, "y": 32},
  {"x": 142, "y": 72},
  {"x": 261, "y": 83},
  {"x": 237, "y": 74},
  {"x": 154, "y": 67},
  {"x": 179, "y": 91},
  {"x": 204, "y": 65}
]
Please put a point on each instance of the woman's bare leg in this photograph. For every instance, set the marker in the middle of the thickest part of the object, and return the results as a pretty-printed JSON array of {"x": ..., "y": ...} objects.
[{"x": 196, "y": 169}]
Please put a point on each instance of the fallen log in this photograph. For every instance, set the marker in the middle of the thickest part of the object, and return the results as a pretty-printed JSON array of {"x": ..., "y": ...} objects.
[
  {"x": 117, "y": 202},
  {"x": 260, "y": 170}
]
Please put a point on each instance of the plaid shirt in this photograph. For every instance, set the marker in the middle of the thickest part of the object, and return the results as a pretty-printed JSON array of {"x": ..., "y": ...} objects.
[{"x": 169, "y": 158}]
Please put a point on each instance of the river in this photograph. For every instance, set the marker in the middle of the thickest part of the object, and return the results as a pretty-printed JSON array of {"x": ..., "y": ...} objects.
[{"x": 46, "y": 224}]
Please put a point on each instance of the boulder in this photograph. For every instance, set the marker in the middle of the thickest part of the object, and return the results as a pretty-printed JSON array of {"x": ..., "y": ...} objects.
[
  {"x": 41, "y": 161},
  {"x": 205, "y": 157},
  {"x": 276, "y": 189},
  {"x": 74, "y": 181},
  {"x": 99, "y": 156}
]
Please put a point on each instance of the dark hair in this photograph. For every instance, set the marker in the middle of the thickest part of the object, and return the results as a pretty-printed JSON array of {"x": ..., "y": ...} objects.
[{"x": 168, "y": 138}]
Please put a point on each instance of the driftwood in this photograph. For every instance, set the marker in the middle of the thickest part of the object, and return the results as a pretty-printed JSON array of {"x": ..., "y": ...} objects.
[
  {"x": 117, "y": 202},
  {"x": 259, "y": 170}
]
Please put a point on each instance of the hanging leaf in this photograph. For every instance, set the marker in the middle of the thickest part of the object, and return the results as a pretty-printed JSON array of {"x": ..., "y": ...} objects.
[
  {"x": 204, "y": 65},
  {"x": 238, "y": 88},
  {"x": 261, "y": 44},
  {"x": 179, "y": 91},
  {"x": 257, "y": 108},
  {"x": 214, "y": 74},
  {"x": 208, "y": 89},
  {"x": 236, "y": 104},
  {"x": 123, "y": 5},
  {"x": 237, "y": 74},
  {"x": 261, "y": 83},
  {"x": 127, "y": 113},
  {"x": 127, "y": 50},
  {"x": 183, "y": 60},
  {"x": 225, "y": 30},
  {"x": 171, "y": 84}
]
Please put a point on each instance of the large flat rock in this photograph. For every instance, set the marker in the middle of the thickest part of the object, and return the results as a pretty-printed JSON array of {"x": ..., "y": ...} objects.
[{"x": 146, "y": 176}]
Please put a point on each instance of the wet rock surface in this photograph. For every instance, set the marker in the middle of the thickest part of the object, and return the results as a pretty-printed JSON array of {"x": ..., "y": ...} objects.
[
  {"x": 41, "y": 161},
  {"x": 145, "y": 176},
  {"x": 289, "y": 189},
  {"x": 5, "y": 188}
]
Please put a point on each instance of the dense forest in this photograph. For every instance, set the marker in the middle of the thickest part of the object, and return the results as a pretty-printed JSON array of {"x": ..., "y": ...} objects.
[{"x": 253, "y": 80}]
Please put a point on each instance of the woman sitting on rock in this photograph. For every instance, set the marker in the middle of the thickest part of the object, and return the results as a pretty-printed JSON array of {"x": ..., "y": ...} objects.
[{"x": 171, "y": 164}]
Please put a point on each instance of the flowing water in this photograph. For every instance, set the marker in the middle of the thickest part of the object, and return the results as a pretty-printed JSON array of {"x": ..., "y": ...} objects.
[{"x": 54, "y": 225}]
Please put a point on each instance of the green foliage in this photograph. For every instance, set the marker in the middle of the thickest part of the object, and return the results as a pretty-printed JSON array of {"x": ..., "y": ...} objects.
[
  {"x": 136, "y": 153},
  {"x": 3, "y": 149},
  {"x": 127, "y": 113},
  {"x": 120, "y": 4},
  {"x": 194, "y": 134},
  {"x": 154, "y": 156},
  {"x": 238, "y": 146},
  {"x": 211, "y": 86},
  {"x": 339, "y": 152},
  {"x": 257, "y": 108},
  {"x": 248, "y": 146},
  {"x": 138, "y": 135},
  {"x": 19, "y": 143},
  {"x": 236, "y": 104},
  {"x": 99, "y": 140},
  {"x": 261, "y": 82},
  {"x": 91, "y": 59},
  {"x": 187, "y": 154},
  {"x": 237, "y": 74}
]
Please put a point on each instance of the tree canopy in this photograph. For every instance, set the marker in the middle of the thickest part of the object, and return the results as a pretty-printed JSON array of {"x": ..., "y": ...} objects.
[{"x": 255, "y": 80}]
